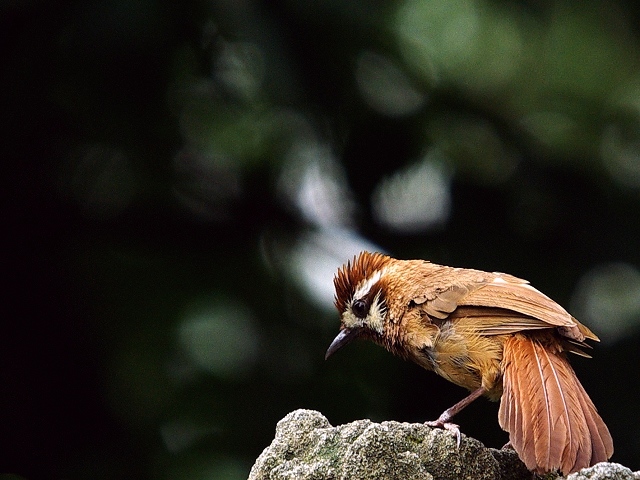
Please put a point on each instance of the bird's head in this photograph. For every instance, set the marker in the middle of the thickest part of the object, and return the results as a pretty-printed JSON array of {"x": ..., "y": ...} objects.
[{"x": 361, "y": 299}]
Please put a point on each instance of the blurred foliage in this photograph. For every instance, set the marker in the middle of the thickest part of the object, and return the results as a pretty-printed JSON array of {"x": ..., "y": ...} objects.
[{"x": 183, "y": 178}]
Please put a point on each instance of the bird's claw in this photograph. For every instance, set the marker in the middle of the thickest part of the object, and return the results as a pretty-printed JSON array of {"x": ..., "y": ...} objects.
[{"x": 452, "y": 427}]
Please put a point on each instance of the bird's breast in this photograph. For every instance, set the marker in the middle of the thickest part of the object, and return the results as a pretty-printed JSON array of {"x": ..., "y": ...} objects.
[{"x": 466, "y": 359}]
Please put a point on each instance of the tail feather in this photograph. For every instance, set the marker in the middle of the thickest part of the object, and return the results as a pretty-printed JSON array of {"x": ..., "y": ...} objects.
[
  {"x": 551, "y": 421},
  {"x": 602, "y": 444}
]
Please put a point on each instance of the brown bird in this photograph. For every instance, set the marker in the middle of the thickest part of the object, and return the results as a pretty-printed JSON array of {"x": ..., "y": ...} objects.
[{"x": 490, "y": 333}]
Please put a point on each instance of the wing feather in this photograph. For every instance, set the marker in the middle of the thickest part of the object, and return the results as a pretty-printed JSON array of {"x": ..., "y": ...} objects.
[
  {"x": 521, "y": 298},
  {"x": 496, "y": 321},
  {"x": 504, "y": 304}
]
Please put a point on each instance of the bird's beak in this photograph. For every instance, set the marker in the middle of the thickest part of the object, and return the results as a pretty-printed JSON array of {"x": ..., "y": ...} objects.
[{"x": 346, "y": 336}]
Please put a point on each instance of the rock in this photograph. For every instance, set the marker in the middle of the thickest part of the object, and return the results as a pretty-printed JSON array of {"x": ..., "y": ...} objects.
[
  {"x": 307, "y": 447},
  {"x": 605, "y": 471}
]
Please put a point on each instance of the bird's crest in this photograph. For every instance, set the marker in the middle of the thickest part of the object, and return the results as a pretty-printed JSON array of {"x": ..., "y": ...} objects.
[{"x": 350, "y": 275}]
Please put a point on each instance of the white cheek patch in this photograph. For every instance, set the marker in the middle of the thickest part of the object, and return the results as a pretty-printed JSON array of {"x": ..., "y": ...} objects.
[
  {"x": 350, "y": 320},
  {"x": 377, "y": 312},
  {"x": 373, "y": 321}
]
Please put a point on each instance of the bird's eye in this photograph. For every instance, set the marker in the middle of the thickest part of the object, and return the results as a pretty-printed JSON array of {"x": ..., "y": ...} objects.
[{"x": 360, "y": 308}]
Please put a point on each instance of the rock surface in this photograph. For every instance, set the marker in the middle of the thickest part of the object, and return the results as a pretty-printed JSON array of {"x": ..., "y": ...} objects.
[
  {"x": 605, "y": 471},
  {"x": 307, "y": 447}
]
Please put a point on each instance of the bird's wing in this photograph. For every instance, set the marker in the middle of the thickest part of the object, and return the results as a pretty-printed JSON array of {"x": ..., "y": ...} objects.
[
  {"x": 500, "y": 304},
  {"x": 521, "y": 298},
  {"x": 496, "y": 321}
]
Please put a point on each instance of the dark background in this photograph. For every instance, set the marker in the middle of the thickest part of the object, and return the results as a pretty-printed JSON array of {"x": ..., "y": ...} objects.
[{"x": 181, "y": 180}]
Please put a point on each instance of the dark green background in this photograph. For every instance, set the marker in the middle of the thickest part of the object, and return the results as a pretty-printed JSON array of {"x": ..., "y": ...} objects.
[{"x": 156, "y": 323}]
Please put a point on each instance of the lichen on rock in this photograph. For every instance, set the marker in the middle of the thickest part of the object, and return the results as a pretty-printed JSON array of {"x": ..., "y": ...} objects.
[
  {"x": 605, "y": 471},
  {"x": 307, "y": 447}
]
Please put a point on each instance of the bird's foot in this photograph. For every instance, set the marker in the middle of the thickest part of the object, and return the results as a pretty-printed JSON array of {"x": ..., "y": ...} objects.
[
  {"x": 443, "y": 420},
  {"x": 507, "y": 446},
  {"x": 452, "y": 427}
]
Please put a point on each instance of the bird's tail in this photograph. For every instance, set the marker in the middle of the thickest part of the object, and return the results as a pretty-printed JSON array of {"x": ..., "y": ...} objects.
[{"x": 552, "y": 422}]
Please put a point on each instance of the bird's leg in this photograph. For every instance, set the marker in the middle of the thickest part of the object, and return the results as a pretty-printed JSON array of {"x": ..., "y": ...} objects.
[{"x": 443, "y": 420}]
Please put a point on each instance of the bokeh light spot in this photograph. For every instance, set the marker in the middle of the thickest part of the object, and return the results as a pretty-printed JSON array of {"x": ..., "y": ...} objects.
[
  {"x": 316, "y": 257},
  {"x": 314, "y": 183},
  {"x": 385, "y": 87},
  {"x": 620, "y": 150},
  {"x": 607, "y": 298},
  {"x": 220, "y": 338},
  {"x": 416, "y": 198}
]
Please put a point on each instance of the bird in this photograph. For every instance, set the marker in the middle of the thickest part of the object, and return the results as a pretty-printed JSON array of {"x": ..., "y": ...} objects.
[{"x": 489, "y": 332}]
